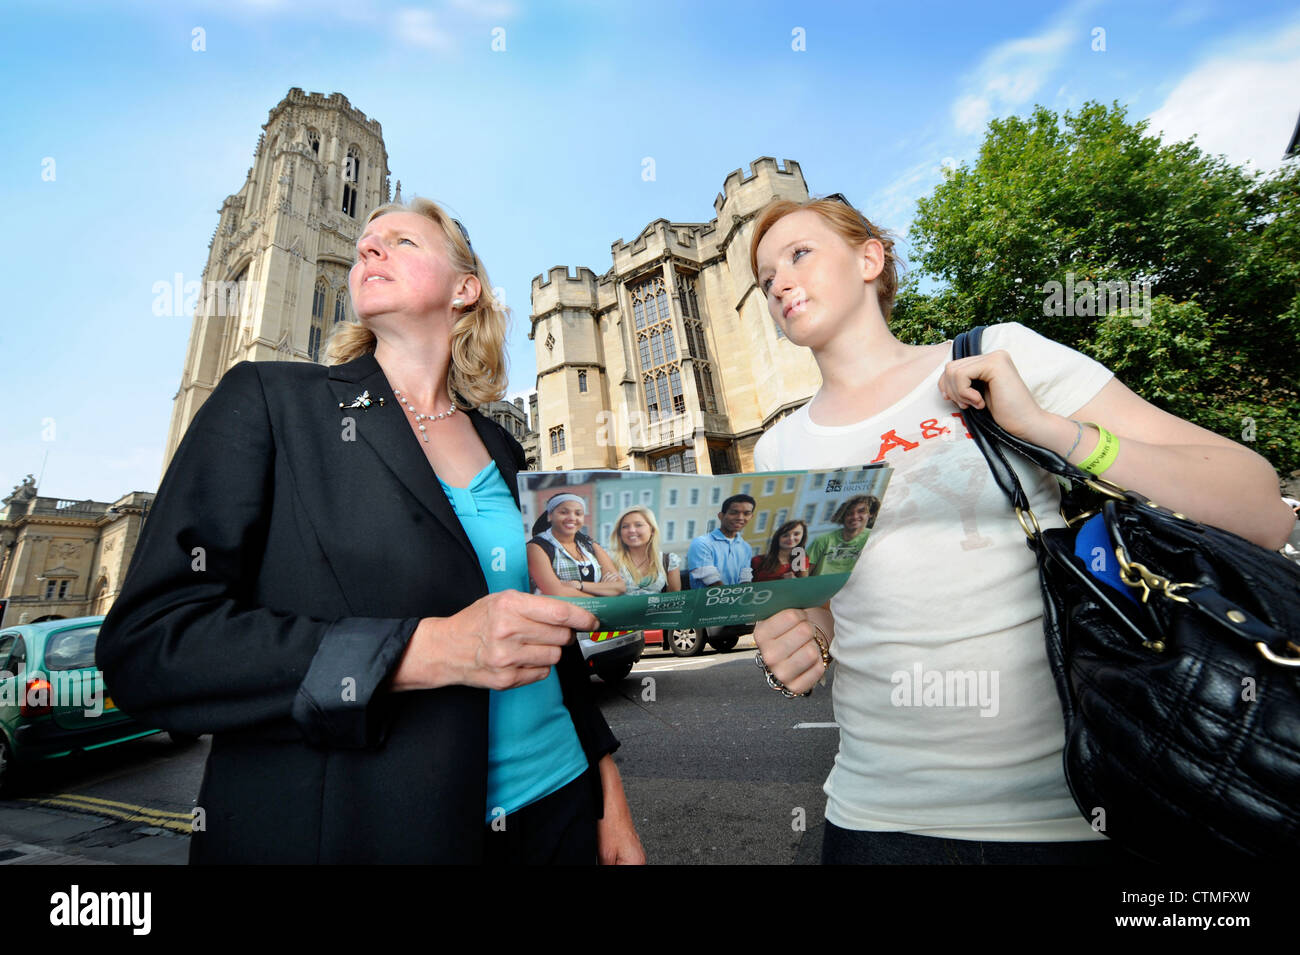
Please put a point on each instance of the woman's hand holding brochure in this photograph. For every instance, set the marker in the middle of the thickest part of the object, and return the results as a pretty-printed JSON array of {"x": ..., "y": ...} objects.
[{"x": 788, "y": 643}]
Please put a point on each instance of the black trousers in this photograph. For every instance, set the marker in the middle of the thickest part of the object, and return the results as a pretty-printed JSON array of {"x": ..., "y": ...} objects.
[
  {"x": 559, "y": 829},
  {"x": 859, "y": 847}
]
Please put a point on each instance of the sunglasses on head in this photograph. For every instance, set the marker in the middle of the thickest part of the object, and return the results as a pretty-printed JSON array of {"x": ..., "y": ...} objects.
[
  {"x": 464, "y": 233},
  {"x": 840, "y": 197}
]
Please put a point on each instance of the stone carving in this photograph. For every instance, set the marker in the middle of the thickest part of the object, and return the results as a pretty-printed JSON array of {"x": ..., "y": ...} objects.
[
  {"x": 24, "y": 491},
  {"x": 67, "y": 549}
]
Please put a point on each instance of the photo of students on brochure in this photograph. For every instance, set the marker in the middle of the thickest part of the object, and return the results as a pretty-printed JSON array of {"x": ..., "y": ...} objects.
[{"x": 653, "y": 550}]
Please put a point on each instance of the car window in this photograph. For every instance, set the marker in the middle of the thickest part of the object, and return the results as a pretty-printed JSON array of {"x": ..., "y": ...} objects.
[
  {"x": 71, "y": 649},
  {"x": 6, "y": 646}
]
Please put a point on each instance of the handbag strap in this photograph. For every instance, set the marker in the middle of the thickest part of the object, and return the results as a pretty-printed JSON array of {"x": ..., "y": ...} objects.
[
  {"x": 991, "y": 438},
  {"x": 978, "y": 422}
]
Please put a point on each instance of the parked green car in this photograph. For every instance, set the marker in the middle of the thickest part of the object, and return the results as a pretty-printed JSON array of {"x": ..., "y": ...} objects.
[{"x": 52, "y": 697}]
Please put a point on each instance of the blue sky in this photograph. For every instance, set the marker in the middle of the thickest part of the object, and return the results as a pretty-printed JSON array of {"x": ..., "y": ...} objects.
[{"x": 539, "y": 148}]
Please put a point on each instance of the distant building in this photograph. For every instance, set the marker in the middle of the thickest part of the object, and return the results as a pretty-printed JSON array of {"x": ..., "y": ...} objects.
[
  {"x": 511, "y": 416},
  {"x": 61, "y": 558},
  {"x": 669, "y": 361}
]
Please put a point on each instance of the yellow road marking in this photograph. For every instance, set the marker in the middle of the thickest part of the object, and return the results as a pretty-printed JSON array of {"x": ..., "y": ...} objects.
[
  {"x": 124, "y": 805},
  {"x": 126, "y": 812}
]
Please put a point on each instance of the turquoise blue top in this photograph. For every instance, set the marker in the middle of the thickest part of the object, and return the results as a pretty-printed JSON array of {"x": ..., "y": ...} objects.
[{"x": 533, "y": 748}]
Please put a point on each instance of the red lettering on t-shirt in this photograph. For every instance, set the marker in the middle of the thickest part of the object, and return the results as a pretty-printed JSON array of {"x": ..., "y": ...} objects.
[
  {"x": 930, "y": 428},
  {"x": 957, "y": 414},
  {"x": 890, "y": 440}
]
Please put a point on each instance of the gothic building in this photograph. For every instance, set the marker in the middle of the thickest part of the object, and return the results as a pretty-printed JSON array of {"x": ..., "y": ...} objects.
[
  {"x": 669, "y": 361},
  {"x": 276, "y": 279}
]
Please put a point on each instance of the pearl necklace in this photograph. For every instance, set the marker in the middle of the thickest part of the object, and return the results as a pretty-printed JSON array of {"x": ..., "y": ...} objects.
[{"x": 423, "y": 417}]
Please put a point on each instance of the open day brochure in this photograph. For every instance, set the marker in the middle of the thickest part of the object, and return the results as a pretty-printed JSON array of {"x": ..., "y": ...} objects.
[{"x": 828, "y": 506}]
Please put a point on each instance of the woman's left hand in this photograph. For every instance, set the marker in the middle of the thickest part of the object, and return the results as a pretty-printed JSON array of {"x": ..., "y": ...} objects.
[
  {"x": 616, "y": 840},
  {"x": 1008, "y": 399}
]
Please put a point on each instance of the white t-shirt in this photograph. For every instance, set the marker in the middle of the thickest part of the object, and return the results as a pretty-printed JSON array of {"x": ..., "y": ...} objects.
[{"x": 949, "y": 719}]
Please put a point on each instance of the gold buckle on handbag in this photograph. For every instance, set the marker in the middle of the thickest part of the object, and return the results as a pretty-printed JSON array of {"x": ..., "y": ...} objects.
[
  {"x": 1288, "y": 661},
  {"x": 1137, "y": 575},
  {"x": 1024, "y": 525}
]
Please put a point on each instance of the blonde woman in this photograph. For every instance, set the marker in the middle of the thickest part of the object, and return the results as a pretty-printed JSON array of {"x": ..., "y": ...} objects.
[
  {"x": 945, "y": 583},
  {"x": 330, "y": 584},
  {"x": 634, "y": 546}
]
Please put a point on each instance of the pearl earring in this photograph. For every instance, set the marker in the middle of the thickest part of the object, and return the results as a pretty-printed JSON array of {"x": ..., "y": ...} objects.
[{"x": 457, "y": 302}]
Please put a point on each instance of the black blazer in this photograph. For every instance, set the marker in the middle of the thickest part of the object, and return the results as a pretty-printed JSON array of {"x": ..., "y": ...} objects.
[{"x": 289, "y": 556}]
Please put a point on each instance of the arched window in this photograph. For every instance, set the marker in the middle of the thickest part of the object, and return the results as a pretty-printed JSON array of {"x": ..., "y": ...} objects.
[
  {"x": 351, "y": 179},
  {"x": 704, "y": 385},
  {"x": 664, "y": 401},
  {"x": 657, "y": 400},
  {"x": 582, "y": 381},
  {"x": 340, "y": 307},
  {"x": 688, "y": 301},
  {"x": 317, "y": 319},
  {"x": 313, "y": 140},
  {"x": 675, "y": 385},
  {"x": 100, "y": 603},
  {"x": 657, "y": 348}
]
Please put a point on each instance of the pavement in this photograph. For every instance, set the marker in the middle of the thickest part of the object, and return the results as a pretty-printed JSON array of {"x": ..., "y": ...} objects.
[{"x": 42, "y": 835}]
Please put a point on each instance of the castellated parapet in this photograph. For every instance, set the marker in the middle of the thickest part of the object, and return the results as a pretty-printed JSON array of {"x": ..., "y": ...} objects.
[
  {"x": 335, "y": 102},
  {"x": 562, "y": 287}
]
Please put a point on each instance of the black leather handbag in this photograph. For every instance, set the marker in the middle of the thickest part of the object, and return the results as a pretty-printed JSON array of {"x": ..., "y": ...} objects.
[{"x": 1182, "y": 707}]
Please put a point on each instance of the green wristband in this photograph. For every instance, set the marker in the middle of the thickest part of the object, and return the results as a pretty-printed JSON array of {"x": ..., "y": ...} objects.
[{"x": 1103, "y": 455}]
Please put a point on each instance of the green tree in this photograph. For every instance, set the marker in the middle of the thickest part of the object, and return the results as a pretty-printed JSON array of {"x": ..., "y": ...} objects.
[{"x": 1092, "y": 198}]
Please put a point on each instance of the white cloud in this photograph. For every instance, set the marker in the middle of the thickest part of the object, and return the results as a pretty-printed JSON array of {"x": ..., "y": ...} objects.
[
  {"x": 892, "y": 206},
  {"x": 1012, "y": 72},
  {"x": 970, "y": 113},
  {"x": 420, "y": 28},
  {"x": 1241, "y": 102}
]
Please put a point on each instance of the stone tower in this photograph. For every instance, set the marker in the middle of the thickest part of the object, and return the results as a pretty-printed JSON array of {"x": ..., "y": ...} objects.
[
  {"x": 276, "y": 276},
  {"x": 669, "y": 361}
]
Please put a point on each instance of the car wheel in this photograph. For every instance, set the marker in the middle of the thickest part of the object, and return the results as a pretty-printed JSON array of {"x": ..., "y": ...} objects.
[
  {"x": 182, "y": 739},
  {"x": 723, "y": 644},
  {"x": 686, "y": 643},
  {"x": 614, "y": 674}
]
